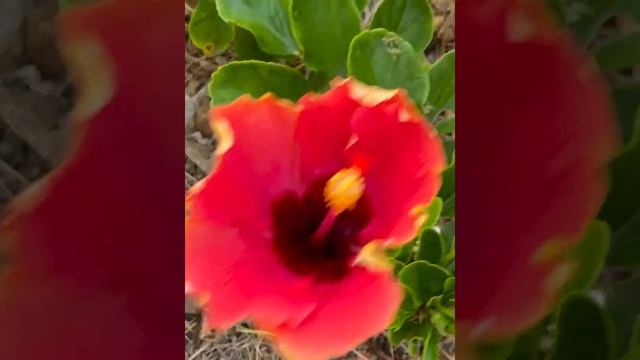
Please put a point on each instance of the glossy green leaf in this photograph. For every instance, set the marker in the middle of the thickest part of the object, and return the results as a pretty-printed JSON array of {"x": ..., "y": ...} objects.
[
  {"x": 588, "y": 256},
  {"x": 255, "y": 78},
  {"x": 424, "y": 280},
  {"x": 246, "y": 47},
  {"x": 207, "y": 30},
  {"x": 623, "y": 200},
  {"x": 620, "y": 52},
  {"x": 432, "y": 213},
  {"x": 449, "y": 290},
  {"x": 411, "y": 19},
  {"x": 442, "y": 77},
  {"x": 583, "y": 332},
  {"x": 324, "y": 30},
  {"x": 623, "y": 303},
  {"x": 267, "y": 20},
  {"x": 431, "y": 346},
  {"x": 379, "y": 57},
  {"x": 430, "y": 246}
]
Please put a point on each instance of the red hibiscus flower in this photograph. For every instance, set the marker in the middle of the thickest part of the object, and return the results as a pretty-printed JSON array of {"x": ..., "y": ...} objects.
[
  {"x": 288, "y": 229},
  {"x": 531, "y": 170}
]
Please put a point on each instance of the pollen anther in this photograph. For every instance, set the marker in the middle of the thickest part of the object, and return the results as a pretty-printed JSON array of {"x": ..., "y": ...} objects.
[{"x": 344, "y": 189}]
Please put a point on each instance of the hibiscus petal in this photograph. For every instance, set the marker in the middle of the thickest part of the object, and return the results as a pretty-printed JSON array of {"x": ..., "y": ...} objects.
[
  {"x": 324, "y": 131},
  {"x": 403, "y": 172},
  {"x": 234, "y": 277},
  {"x": 348, "y": 313},
  {"x": 533, "y": 169},
  {"x": 259, "y": 160}
]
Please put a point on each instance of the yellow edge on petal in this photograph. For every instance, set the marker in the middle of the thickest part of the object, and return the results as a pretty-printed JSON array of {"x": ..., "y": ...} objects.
[
  {"x": 93, "y": 73},
  {"x": 551, "y": 250},
  {"x": 374, "y": 257},
  {"x": 369, "y": 95}
]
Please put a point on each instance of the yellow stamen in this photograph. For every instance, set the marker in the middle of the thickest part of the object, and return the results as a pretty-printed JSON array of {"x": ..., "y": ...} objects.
[{"x": 343, "y": 190}]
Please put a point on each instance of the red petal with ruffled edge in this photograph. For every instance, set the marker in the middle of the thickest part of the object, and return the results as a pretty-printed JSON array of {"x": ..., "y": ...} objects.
[
  {"x": 404, "y": 160},
  {"x": 271, "y": 147},
  {"x": 347, "y": 313}
]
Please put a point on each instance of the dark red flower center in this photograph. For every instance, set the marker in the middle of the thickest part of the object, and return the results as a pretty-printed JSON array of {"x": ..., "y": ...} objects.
[{"x": 326, "y": 256}]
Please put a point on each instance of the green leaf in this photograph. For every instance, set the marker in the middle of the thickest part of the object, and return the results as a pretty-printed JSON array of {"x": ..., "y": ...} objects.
[
  {"x": 449, "y": 207},
  {"x": 448, "y": 238},
  {"x": 627, "y": 102},
  {"x": 446, "y": 126},
  {"x": 623, "y": 304},
  {"x": 620, "y": 52},
  {"x": 589, "y": 257},
  {"x": 267, "y": 20},
  {"x": 449, "y": 148},
  {"x": 410, "y": 329},
  {"x": 207, "y": 30},
  {"x": 319, "y": 81},
  {"x": 411, "y": 19},
  {"x": 379, "y": 57},
  {"x": 424, "y": 280},
  {"x": 436, "y": 304},
  {"x": 448, "y": 181},
  {"x": 324, "y": 30},
  {"x": 246, "y": 47},
  {"x": 583, "y": 331},
  {"x": 442, "y": 323},
  {"x": 430, "y": 246},
  {"x": 361, "y": 4},
  {"x": 432, "y": 213},
  {"x": 431, "y": 347},
  {"x": 404, "y": 253},
  {"x": 584, "y": 17},
  {"x": 443, "y": 82},
  {"x": 407, "y": 309},
  {"x": 623, "y": 200},
  {"x": 449, "y": 289},
  {"x": 255, "y": 78},
  {"x": 625, "y": 247}
]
